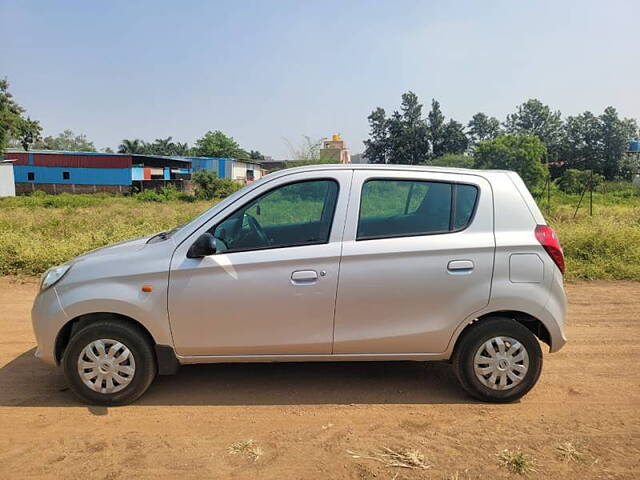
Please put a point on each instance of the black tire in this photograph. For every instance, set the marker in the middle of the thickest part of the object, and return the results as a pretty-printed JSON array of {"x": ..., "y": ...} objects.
[
  {"x": 133, "y": 338},
  {"x": 472, "y": 340}
]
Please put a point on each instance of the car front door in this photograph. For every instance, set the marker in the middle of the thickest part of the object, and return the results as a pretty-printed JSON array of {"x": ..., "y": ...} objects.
[
  {"x": 270, "y": 287},
  {"x": 417, "y": 260}
]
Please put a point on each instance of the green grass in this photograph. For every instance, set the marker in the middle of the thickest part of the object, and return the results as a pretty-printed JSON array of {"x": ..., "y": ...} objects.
[
  {"x": 41, "y": 230},
  {"x": 603, "y": 246}
]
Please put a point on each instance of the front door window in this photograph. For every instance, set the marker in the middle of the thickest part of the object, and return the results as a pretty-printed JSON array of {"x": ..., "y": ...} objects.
[{"x": 291, "y": 215}]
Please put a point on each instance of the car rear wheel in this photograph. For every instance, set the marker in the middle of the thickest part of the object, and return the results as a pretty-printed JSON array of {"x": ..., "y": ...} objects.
[
  {"x": 109, "y": 362},
  {"x": 497, "y": 360}
]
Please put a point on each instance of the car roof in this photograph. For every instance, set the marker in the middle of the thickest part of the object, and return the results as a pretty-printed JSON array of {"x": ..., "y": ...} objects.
[{"x": 394, "y": 167}]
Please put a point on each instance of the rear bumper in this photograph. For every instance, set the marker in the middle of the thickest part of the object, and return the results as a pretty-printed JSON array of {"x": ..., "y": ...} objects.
[{"x": 554, "y": 312}]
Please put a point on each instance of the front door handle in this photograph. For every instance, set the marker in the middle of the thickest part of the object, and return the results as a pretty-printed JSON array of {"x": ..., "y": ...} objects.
[
  {"x": 460, "y": 266},
  {"x": 304, "y": 277}
]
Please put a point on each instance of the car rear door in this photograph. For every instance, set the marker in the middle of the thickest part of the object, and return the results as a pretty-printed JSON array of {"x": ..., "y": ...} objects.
[{"x": 411, "y": 270}]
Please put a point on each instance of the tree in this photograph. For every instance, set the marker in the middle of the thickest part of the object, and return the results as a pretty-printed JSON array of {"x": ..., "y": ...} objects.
[
  {"x": 28, "y": 132},
  {"x": 598, "y": 143},
  {"x": 165, "y": 147},
  {"x": 396, "y": 143},
  {"x": 414, "y": 134},
  {"x": 66, "y": 140},
  {"x": 256, "y": 156},
  {"x": 217, "y": 144},
  {"x": 535, "y": 118},
  {"x": 307, "y": 153},
  {"x": 107, "y": 150},
  {"x": 436, "y": 128},
  {"x": 13, "y": 125},
  {"x": 135, "y": 146},
  {"x": 401, "y": 139},
  {"x": 481, "y": 127},
  {"x": 408, "y": 138},
  {"x": 454, "y": 140},
  {"x": 377, "y": 145},
  {"x": 522, "y": 154},
  {"x": 181, "y": 149},
  {"x": 581, "y": 146},
  {"x": 616, "y": 134}
]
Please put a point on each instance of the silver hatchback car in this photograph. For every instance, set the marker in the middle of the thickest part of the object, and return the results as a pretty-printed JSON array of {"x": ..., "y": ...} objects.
[{"x": 322, "y": 263}]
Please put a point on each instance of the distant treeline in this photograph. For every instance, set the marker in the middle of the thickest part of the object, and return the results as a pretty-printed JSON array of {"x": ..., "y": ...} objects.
[{"x": 532, "y": 140}]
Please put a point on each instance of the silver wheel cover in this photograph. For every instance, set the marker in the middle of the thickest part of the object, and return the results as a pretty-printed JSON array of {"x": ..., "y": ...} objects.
[
  {"x": 106, "y": 366},
  {"x": 501, "y": 363}
]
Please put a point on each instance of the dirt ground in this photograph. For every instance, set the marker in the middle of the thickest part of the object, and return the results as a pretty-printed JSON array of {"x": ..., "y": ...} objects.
[{"x": 304, "y": 419}]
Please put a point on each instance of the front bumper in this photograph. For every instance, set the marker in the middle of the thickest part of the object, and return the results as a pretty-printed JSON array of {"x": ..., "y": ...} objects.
[{"x": 47, "y": 318}]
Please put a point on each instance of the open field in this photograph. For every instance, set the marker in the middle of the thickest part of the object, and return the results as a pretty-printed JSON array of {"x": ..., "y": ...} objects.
[
  {"x": 300, "y": 421},
  {"x": 41, "y": 231}
]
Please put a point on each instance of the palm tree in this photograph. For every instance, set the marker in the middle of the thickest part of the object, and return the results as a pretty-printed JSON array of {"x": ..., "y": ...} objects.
[
  {"x": 136, "y": 146},
  {"x": 181, "y": 149}
]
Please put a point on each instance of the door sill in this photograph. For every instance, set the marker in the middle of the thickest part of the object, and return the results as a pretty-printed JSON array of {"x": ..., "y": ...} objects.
[{"x": 336, "y": 357}]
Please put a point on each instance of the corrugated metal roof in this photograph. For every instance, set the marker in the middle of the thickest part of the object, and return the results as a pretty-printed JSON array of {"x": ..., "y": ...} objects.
[{"x": 177, "y": 158}]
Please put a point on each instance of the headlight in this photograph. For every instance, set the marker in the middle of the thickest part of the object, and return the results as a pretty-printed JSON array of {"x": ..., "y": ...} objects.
[{"x": 53, "y": 275}]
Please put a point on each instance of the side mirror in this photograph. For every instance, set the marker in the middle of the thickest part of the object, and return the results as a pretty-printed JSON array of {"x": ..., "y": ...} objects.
[{"x": 203, "y": 246}]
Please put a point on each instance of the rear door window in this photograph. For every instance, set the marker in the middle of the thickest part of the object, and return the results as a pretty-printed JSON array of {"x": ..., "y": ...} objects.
[
  {"x": 465, "y": 202},
  {"x": 398, "y": 208}
]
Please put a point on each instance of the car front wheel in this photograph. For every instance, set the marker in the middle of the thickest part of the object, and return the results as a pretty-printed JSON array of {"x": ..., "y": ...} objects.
[
  {"x": 498, "y": 360},
  {"x": 109, "y": 362}
]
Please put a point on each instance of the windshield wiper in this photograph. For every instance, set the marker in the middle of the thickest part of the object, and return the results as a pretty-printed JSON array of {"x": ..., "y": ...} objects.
[{"x": 163, "y": 235}]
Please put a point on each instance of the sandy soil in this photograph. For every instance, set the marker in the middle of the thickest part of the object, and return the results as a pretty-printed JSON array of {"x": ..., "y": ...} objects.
[{"x": 305, "y": 418}]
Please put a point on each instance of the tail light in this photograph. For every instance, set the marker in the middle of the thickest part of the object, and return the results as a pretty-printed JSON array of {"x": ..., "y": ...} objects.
[{"x": 550, "y": 242}]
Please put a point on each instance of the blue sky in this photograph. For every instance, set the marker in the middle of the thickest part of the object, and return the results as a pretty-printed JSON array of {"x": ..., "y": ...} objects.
[{"x": 262, "y": 71}]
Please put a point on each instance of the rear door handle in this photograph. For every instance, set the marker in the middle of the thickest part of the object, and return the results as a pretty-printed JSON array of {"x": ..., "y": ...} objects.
[
  {"x": 304, "y": 277},
  {"x": 460, "y": 266}
]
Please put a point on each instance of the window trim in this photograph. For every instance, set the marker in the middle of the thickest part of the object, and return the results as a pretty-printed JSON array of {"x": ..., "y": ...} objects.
[
  {"x": 266, "y": 192},
  {"x": 453, "y": 184}
]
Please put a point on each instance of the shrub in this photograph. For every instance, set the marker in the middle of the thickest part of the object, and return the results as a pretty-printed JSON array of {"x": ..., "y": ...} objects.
[
  {"x": 575, "y": 181},
  {"x": 208, "y": 186},
  {"x": 167, "y": 193},
  {"x": 626, "y": 189},
  {"x": 149, "y": 196}
]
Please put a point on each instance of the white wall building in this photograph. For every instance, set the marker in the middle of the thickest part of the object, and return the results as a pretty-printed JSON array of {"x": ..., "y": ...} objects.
[{"x": 7, "y": 180}]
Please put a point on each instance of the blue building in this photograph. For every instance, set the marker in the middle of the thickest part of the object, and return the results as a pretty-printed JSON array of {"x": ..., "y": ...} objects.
[{"x": 87, "y": 172}]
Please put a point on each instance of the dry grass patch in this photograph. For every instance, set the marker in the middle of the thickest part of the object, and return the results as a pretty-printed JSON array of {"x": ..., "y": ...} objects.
[
  {"x": 516, "y": 461},
  {"x": 400, "y": 458},
  {"x": 247, "y": 448},
  {"x": 571, "y": 451}
]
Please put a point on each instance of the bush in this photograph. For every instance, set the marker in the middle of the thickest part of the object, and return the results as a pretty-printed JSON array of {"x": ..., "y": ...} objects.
[
  {"x": 575, "y": 181},
  {"x": 167, "y": 193},
  {"x": 626, "y": 189},
  {"x": 208, "y": 186},
  {"x": 455, "y": 160},
  {"x": 149, "y": 196}
]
